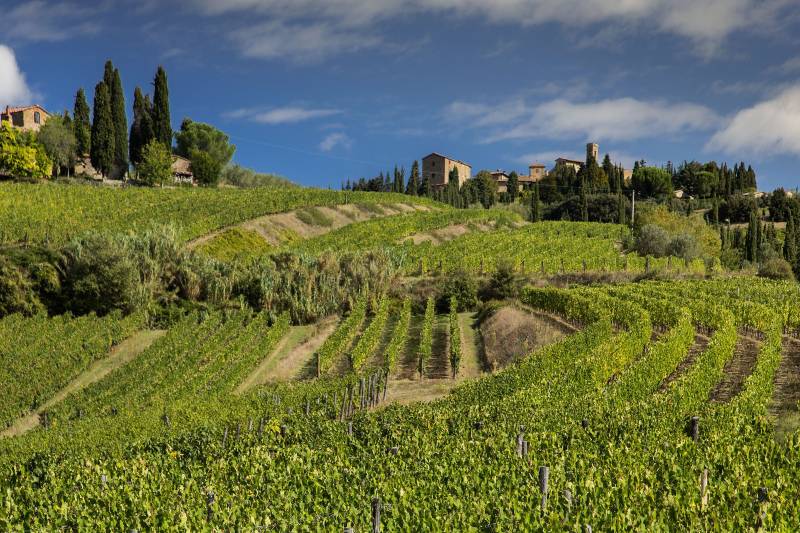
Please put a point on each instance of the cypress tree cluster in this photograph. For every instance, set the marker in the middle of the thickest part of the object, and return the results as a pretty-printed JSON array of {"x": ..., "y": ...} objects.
[{"x": 113, "y": 82}]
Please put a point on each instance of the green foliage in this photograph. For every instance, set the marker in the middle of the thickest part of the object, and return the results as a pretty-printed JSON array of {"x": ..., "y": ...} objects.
[
  {"x": 512, "y": 187},
  {"x": 142, "y": 131},
  {"x": 197, "y": 136},
  {"x": 536, "y": 205},
  {"x": 239, "y": 176},
  {"x": 336, "y": 344},
  {"x": 17, "y": 294},
  {"x": 455, "y": 337},
  {"x": 155, "y": 168},
  {"x": 368, "y": 342},
  {"x": 235, "y": 244},
  {"x": 58, "y": 140},
  {"x": 399, "y": 338},
  {"x": 651, "y": 182},
  {"x": 426, "y": 337},
  {"x": 162, "y": 122},
  {"x": 81, "y": 124},
  {"x": 777, "y": 269},
  {"x": 502, "y": 282},
  {"x": 21, "y": 156},
  {"x": 460, "y": 285},
  {"x": 313, "y": 216},
  {"x": 413, "y": 186},
  {"x": 120, "y": 121},
  {"x": 103, "y": 150},
  {"x": 205, "y": 168},
  {"x": 706, "y": 237}
]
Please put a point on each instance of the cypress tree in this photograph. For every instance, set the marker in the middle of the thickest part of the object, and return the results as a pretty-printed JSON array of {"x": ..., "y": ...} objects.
[
  {"x": 513, "y": 187},
  {"x": 790, "y": 242},
  {"x": 120, "y": 123},
  {"x": 141, "y": 127},
  {"x": 102, "y": 150},
  {"x": 536, "y": 213},
  {"x": 413, "y": 180},
  {"x": 584, "y": 203},
  {"x": 162, "y": 123},
  {"x": 81, "y": 124},
  {"x": 621, "y": 215}
]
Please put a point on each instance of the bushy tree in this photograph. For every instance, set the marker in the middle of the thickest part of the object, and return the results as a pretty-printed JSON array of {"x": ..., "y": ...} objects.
[
  {"x": 502, "y": 283},
  {"x": 156, "y": 164},
  {"x": 205, "y": 168},
  {"x": 21, "y": 156},
  {"x": 651, "y": 182},
  {"x": 82, "y": 125},
  {"x": 652, "y": 240},
  {"x": 102, "y": 149},
  {"x": 59, "y": 142},
  {"x": 486, "y": 188},
  {"x": 194, "y": 136},
  {"x": 461, "y": 285}
]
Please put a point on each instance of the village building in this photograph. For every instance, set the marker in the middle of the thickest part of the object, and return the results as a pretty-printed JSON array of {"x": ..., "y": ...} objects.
[
  {"x": 573, "y": 163},
  {"x": 182, "y": 170},
  {"x": 28, "y": 118},
  {"x": 436, "y": 169}
]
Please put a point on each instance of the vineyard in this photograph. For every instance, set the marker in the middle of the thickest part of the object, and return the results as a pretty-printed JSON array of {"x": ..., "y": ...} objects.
[
  {"x": 665, "y": 404},
  {"x": 55, "y": 213}
]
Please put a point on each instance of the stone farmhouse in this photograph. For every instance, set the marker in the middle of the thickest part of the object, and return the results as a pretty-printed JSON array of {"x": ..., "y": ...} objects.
[
  {"x": 28, "y": 118},
  {"x": 436, "y": 168}
]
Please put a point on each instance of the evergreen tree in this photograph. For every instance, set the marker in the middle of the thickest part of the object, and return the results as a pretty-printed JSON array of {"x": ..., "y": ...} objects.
[
  {"x": 584, "y": 203},
  {"x": 512, "y": 188},
  {"x": 81, "y": 124},
  {"x": 399, "y": 180},
  {"x": 141, "y": 127},
  {"x": 413, "y": 180},
  {"x": 162, "y": 123},
  {"x": 102, "y": 149},
  {"x": 790, "y": 241},
  {"x": 536, "y": 208},
  {"x": 621, "y": 214},
  {"x": 114, "y": 84}
]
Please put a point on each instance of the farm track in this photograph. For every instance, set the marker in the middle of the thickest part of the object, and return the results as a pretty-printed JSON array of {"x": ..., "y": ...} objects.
[
  {"x": 737, "y": 369},
  {"x": 407, "y": 366},
  {"x": 439, "y": 365},
  {"x": 699, "y": 346},
  {"x": 119, "y": 355}
]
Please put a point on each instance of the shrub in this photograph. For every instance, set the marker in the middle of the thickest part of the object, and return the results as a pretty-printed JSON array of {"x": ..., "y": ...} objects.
[
  {"x": 652, "y": 240},
  {"x": 205, "y": 168},
  {"x": 16, "y": 291},
  {"x": 156, "y": 164},
  {"x": 461, "y": 285},
  {"x": 21, "y": 156},
  {"x": 502, "y": 283},
  {"x": 684, "y": 246},
  {"x": 776, "y": 268}
]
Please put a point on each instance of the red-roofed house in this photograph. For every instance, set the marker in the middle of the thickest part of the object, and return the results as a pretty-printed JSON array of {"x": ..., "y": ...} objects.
[{"x": 28, "y": 118}]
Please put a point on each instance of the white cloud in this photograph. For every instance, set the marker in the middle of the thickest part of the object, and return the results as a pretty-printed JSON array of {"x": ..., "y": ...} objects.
[
  {"x": 769, "y": 127},
  {"x": 350, "y": 23},
  {"x": 281, "y": 115},
  {"x": 621, "y": 119},
  {"x": 335, "y": 139},
  {"x": 13, "y": 87},
  {"x": 40, "y": 20}
]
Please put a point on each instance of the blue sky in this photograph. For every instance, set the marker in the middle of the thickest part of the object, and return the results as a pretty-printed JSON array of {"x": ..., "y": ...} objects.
[{"x": 325, "y": 90}]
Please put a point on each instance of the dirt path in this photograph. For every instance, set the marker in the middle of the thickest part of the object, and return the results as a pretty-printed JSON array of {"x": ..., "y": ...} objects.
[
  {"x": 293, "y": 358},
  {"x": 117, "y": 357},
  {"x": 786, "y": 394},
  {"x": 276, "y": 228},
  {"x": 439, "y": 365},
  {"x": 699, "y": 346},
  {"x": 409, "y": 359},
  {"x": 737, "y": 369},
  {"x": 471, "y": 360}
]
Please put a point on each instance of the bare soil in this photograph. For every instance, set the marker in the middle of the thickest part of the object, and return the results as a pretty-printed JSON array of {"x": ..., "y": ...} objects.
[
  {"x": 737, "y": 369},
  {"x": 699, "y": 346},
  {"x": 119, "y": 355},
  {"x": 511, "y": 333}
]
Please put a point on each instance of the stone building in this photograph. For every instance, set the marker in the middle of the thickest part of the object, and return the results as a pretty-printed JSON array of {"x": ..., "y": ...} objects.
[
  {"x": 182, "y": 170},
  {"x": 574, "y": 163},
  {"x": 593, "y": 150},
  {"x": 436, "y": 168},
  {"x": 29, "y": 118}
]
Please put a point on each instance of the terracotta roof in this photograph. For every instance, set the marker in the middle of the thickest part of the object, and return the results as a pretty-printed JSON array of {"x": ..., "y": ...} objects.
[
  {"x": 10, "y": 109},
  {"x": 437, "y": 154}
]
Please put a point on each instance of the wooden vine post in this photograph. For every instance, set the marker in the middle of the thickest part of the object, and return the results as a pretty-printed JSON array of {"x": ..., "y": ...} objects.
[{"x": 544, "y": 478}]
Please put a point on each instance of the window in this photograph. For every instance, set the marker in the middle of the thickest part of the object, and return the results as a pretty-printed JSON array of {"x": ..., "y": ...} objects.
[
  {"x": 433, "y": 163},
  {"x": 37, "y": 118}
]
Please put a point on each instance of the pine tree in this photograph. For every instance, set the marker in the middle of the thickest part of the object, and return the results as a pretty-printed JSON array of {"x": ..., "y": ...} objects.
[
  {"x": 120, "y": 123},
  {"x": 536, "y": 208},
  {"x": 102, "y": 151},
  {"x": 81, "y": 124},
  {"x": 162, "y": 123}
]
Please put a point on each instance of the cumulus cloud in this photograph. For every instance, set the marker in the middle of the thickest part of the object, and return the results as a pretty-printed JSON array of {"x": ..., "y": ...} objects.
[
  {"x": 281, "y": 115},
  {"x": 621, "y": 119},
  {"x": 705, "y": 23},
  {"x": 335, "y": 139},
  {"x": 40, "y": 20},
  {"x": 13, "y": 87},
  {"x": 767, "y": 128}
]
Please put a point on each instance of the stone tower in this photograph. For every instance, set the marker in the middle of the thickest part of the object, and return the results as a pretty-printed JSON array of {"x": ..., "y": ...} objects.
[{"x": 593, "y": 150}]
